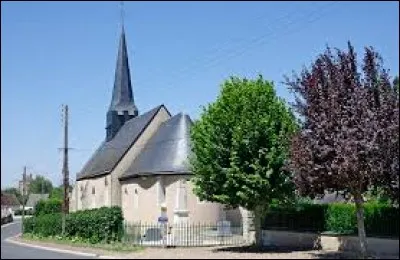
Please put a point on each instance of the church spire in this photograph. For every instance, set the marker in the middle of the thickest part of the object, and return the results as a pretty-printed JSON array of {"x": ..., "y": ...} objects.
[{"x": 122, "y": 107}]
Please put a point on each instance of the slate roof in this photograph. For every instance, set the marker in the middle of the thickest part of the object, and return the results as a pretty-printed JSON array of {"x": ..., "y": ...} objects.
[
  {"x": 330, "y": 198},
  {"x": 122, "y": 96},
  {"x": 166, "y": 152},
  {"x": 107, "y": 156},
  {"x": 33, "y": 199}
]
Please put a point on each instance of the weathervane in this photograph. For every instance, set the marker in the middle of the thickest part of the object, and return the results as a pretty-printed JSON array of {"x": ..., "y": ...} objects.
[{"x": 122, "y": 12}]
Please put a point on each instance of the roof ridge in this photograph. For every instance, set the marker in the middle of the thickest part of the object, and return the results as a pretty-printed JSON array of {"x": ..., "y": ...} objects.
[{"x": 107, "y": 150}]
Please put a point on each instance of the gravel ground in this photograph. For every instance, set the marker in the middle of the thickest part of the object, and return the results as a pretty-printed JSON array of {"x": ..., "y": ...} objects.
[
  {"x": 236, "y": 253},
  {"x": 210, "y": 253}
]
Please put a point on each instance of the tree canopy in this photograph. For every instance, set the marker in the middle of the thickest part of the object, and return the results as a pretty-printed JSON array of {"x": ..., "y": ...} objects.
[
  {"x": 240, "y": 144},
  {"x": 349, "y": 141},
  {"x": 40, "y": 185}
]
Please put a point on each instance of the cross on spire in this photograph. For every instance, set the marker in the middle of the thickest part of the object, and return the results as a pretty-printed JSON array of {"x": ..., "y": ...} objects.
[
  {"x": 122, "y": 106},
  {"x": 122, "y": 13}
]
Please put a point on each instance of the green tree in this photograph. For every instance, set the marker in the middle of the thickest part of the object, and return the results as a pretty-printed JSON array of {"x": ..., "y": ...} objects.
[
  {"x": 240, "y": 144},
  {"x": 40, "y": 185},
  {"x": 57, "y": 193}
]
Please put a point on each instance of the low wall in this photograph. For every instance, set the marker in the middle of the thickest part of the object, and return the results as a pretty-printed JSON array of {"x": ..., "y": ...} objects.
[
  {"x": 376, "y": 246},
  {"x": 290, "y": 239}
]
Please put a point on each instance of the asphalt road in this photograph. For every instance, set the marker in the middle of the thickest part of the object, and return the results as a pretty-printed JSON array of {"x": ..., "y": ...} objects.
[{"x": 13, "y": 251}]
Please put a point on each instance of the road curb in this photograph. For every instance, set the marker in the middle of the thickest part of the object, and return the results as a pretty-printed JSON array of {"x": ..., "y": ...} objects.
[
  {"x": 9, "y": 224},
  {"x": 10, "y": 240}
]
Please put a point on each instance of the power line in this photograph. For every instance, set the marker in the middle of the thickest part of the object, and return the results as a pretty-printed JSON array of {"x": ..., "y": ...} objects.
[
  {"x": 221, "y": 46},
  {"x": 255, "y": 41}
]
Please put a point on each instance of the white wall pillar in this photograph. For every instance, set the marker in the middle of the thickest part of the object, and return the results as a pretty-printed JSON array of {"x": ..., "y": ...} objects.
[
  {"x": 181, "y": 213},
  {"x": 248, "y": 225}
]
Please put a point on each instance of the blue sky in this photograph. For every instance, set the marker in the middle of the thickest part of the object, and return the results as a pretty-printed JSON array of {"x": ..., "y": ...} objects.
[{"x": 55, "y": 53}]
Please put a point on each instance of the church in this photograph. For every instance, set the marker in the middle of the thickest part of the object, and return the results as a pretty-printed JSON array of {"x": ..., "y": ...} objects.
[{"x": 142, "y": 164}]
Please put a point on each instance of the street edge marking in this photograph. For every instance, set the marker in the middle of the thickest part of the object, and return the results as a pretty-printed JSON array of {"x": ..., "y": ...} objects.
[{"x": 9, "y": 240}]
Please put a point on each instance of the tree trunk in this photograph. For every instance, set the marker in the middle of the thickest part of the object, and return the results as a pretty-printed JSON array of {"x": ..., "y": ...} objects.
[
  {"x": 257, "y": 226},
  {"x": 360, "y": 224}
]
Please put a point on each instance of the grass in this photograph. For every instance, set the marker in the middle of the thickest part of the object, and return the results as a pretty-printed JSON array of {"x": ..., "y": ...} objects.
[{"x": 115, "y": 246}]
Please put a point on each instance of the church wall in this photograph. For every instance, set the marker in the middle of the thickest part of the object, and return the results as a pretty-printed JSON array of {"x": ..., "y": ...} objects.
[
  {"x": 72, "y": 199},
  {"x": 202, "y": 211},
  {"x": 92, "y": 193},
  {"x": 140, "y": 201},
  {"x": 133, "y": 152}
]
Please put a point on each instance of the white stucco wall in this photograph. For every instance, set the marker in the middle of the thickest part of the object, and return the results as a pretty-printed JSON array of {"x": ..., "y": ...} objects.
[
  {"x": 149, "y": 209},
  {"x": 133, "y": 152},
  {"x": 84, "y": 197},
  {"x": 110, "y": 194}
]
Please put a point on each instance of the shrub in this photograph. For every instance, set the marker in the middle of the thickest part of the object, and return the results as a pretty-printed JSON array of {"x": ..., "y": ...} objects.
[
  {"x": 95, "y": 225},
  {"x": 48, "y": 207},
  {"x": 43, "y": 225},
  {"x": 381, "y": 220},
  {"x": 302, "y": 217},
  {"x": 339, "y": 218}
]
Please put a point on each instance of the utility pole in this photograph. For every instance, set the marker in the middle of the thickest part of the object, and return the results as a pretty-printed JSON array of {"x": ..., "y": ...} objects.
[
  {"x": 23, "y": 197},
  {"x": 65, "y": 169}
]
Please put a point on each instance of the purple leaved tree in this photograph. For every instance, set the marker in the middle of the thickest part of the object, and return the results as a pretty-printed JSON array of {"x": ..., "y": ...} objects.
[{"x": 349, "y": 141}]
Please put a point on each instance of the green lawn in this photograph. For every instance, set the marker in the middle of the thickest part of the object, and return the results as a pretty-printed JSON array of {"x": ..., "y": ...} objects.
[{"x": 116, "y": 246}]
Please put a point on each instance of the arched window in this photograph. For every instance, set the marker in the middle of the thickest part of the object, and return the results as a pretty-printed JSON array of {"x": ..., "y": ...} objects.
[
  {"x": 136, "y": 199},
  {"x": 93, "y": 197}
]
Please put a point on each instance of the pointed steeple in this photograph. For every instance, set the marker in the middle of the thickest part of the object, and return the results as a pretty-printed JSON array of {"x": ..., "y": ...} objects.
[{"x": 122, "y": 107}]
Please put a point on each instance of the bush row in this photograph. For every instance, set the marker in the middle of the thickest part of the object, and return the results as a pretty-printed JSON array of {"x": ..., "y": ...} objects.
[
  {"x": 381, "y": 220},
  {"x": 50, "y": 206},
  {"x": 95, "y": 225}
]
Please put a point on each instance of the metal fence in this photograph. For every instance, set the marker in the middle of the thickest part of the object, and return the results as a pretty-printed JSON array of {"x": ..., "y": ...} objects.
[{"x": 189, "y": 235}]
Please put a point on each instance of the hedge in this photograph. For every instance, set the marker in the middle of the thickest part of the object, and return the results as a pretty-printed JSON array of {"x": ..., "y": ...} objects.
[
  {"x": 95, "y": 225},
  {"x": 44, "y": 207},
  {"x": 381, "y": 220}
]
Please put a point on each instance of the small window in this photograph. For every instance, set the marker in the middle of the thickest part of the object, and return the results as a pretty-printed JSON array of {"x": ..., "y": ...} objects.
[
  {"x": 93, "y": 190},
  {"x": 136, "y": 200}
]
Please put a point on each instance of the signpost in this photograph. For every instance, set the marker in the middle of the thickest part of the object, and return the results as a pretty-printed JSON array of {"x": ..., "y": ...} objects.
[{"x": 163, "y": 220}]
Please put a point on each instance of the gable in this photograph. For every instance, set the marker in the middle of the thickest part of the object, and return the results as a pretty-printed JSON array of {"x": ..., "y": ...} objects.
[{"x": 110, "y": 153}]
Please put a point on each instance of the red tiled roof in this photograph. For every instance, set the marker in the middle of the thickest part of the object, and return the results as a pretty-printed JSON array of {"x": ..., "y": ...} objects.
[{"x": 9, "y": 199}]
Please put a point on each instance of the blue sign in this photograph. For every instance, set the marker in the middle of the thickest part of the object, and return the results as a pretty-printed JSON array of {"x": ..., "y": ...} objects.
[{"x": 163, "y": 219}]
